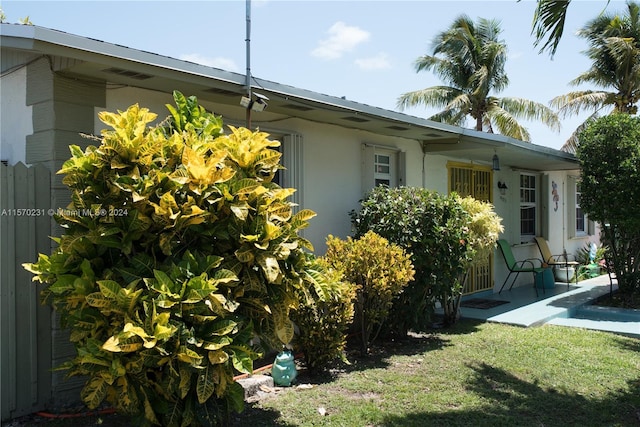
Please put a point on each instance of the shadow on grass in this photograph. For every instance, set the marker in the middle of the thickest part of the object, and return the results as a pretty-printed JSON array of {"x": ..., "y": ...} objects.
[
  {"x": 627, "y": 344},
  {"x": 512, "y": 401},
  {"x": 257, "y": 417},
  {"x": 380, "y": 352}
]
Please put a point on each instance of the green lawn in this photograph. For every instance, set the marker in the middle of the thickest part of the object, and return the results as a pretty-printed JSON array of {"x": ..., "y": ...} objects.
[{"x": 477, "y": 374}]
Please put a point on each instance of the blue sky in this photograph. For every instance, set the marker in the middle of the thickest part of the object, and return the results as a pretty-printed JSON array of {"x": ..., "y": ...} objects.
[{"x": 362, "y": 50}]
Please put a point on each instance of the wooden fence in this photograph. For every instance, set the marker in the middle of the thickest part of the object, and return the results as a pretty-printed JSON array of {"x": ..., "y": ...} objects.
[{"x": 25, "y": 324}]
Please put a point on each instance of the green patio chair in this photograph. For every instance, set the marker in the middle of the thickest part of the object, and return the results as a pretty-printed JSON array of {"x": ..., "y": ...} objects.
[{"x": 517, "y": 267}]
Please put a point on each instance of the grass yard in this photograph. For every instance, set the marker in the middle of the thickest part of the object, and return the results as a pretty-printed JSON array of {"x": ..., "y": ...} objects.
[{"x": 477, "y": 374}]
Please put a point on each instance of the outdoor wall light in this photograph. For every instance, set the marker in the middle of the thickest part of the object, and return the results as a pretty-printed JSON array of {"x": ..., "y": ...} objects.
[
  {"x": 495, "y": 163},
  {"x": 258, "y": 104},
  {"x": 502, "y": 186},
  {"x": 245, "y": 102}
]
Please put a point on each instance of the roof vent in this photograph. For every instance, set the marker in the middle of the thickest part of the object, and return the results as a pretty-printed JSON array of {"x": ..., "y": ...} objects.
[
  {"x": 219, "y": 91},
  {"x": 297, "y": 107},
  {"x": 394, "y": 127},
  {"x": 127, "y": 73},
  {"x": 356, "y": 119}
]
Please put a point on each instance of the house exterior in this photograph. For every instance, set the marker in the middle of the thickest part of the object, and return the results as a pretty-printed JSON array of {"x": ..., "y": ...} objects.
[{"x": 53, "y": 85}]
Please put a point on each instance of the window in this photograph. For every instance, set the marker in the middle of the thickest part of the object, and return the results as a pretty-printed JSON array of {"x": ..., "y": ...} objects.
[
  {"x": 382, "y": 167},
  {"x": 581, "y": 218},
  {"x": 581, "y": 227},
  {"x": 528, "y": 208}
]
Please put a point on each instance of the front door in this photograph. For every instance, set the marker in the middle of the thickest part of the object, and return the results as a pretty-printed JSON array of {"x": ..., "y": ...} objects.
[{"x": 475, "y": 181}]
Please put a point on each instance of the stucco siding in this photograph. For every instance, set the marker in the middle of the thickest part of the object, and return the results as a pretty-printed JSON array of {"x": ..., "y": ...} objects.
[{"x": 15, "y": 116}]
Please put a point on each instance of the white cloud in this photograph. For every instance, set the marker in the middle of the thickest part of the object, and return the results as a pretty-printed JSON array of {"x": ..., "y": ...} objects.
[
  {"x": 378, "y": 62},
  {"x": 342, "y": 38},
  {"x": 216, "y": 62}
]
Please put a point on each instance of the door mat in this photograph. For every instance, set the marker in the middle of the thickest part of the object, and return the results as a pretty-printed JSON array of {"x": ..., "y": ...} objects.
[{"x": 482, "y": 303}]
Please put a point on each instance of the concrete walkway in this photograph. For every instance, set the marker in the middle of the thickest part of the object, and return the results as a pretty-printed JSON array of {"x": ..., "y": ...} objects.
[{"x": 563, "y": 305}]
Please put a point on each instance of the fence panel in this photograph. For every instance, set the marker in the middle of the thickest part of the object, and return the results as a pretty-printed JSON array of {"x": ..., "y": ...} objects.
[{"x": 25, "y": 324}]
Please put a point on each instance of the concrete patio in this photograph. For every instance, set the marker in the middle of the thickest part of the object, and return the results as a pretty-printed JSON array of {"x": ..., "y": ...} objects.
[{"x": 555, "y": 306}]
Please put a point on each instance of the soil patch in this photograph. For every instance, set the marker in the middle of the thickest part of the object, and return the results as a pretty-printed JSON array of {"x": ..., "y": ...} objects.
[{"x": 616, "y": 299}]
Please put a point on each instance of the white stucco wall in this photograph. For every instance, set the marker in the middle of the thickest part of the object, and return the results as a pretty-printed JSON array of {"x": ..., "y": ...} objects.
[{"x": 15, "y": 116}]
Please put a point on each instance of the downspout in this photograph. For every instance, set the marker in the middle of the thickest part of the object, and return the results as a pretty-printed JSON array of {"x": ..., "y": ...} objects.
[
  {"x": 423, "y": 147},
  {"x": 564, "y": 214}
]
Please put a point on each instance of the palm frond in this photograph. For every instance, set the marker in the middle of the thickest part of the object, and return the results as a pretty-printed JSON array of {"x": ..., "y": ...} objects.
[
  {"x": 452, "y": 117},
  {"x": 548, "y": 21},
  {"x": 571, "y": 145},
  {"x": 573, "y": 103},
  {"x": 530, "y": 110},
  {"x": 507, "y": 124},
  {"x": 435, "y": 96},
  {"x": 461, "y": 103}
]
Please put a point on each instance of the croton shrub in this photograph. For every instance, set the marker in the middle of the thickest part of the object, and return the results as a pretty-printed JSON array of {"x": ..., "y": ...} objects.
[
  {"x": 379, "y": 270},
  {"x": 178, "y": 266},
  {"x": 323, "y": 316}
]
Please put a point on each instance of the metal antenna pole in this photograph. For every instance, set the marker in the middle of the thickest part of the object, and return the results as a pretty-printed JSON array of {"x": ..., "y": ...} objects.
[{"x": 248, "y": 59}]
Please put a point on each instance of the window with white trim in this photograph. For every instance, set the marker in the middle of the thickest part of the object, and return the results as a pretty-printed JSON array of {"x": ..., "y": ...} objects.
[
  {"x": 580, "y": 225},
  {"x": 382, "y": 167},
  {"x": 528, "y": 207},
  {"x": 581, "y": 217}
]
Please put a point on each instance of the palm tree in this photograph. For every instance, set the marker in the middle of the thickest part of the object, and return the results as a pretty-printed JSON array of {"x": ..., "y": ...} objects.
[
  {"x": 470, "y": 58},
  {"x": 614, "y": 48}
]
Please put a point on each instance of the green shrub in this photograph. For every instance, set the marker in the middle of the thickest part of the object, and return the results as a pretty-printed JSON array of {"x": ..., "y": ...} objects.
[
  {"x": 379, "y": 270},
  {"x": 178, "y": 255},
  {"x": 323, "y": 316},
  {"x": 609, "y": 155},
  {"x": 434, "y": 229}
]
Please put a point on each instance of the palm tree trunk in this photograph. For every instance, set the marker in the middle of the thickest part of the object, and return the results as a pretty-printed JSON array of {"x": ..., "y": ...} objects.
[{"x": 479, "y": 123}]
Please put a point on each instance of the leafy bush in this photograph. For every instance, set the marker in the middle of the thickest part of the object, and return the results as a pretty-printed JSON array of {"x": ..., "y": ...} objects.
[
  {"x": 323, "y": 316},
  {"x": 379, "y": 270},
  {"x": 609, "y": 155},
  {"x": 179, "y": 255},
  {"x": 484, "y": 229},
  {"x": 434, "y": 229}
]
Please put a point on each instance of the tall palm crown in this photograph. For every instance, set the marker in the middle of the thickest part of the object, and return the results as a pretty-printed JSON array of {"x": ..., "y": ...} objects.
[
  {"x": 614, "y": 49},
  {"x": 470, "y": 58}
]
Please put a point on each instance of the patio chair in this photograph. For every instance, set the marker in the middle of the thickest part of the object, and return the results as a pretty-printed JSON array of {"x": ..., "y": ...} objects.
[
  {"x": 561, "y": 261},
  {"x": 517, "y": 267}
]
